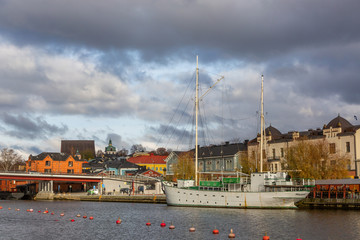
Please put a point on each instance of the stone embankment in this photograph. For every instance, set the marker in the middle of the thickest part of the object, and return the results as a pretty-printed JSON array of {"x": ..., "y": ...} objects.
[{"x": 140, "y": 198}]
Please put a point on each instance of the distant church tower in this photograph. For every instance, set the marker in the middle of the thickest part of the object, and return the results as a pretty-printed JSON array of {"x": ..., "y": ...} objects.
[
  {"x": 77, "y": 154},
  {"x": 110, "y": 149}
]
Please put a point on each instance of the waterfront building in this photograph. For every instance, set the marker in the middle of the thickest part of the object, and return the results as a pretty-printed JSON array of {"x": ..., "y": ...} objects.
[
  {"x": 53, "y": 162},
  {"x": 171, "y": 160},
  {"x": 150, "y": 161},
  {"x": 214, "y": 159},
  {"x": 342, "y": 138},
  {"x": 221, "y": 159}
]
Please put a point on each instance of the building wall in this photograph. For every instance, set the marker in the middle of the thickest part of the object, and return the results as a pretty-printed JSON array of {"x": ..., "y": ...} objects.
[
  {"x": 171, "y": 160},
  {"x": 154, "y": 166},
  {"x": 330, "y": 137},
  {"x": 55, "y": 166},
  {"x": 10, "y": 185}
]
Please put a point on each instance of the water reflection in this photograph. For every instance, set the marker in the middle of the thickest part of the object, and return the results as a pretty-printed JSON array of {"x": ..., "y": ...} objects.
[{"x": 249, "y": 224}]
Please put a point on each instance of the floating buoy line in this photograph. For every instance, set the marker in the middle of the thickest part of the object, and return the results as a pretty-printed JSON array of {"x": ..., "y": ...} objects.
[{"x": 148, "y": 223}]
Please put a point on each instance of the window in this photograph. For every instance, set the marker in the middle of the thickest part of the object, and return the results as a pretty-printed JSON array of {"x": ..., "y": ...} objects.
[
  {"x": 273, "y": 152},
  {"x": 282, "y": 152},
  {"x": 29, "y": 163},
  {"x": 201, "y": 166},
  {"x": 47, "y": 170},
  {"x": 347, "y": 146},
  {"x": 332, "y": 148},
  {"x": 70, "y": 163},
  {"x": 161, "y": 169},
  {"x": 156, "y": 168},
  {"x": 47, "y": 163},
  {"x": 217, "y": 165},
  {"x": 70, "y": 171}
]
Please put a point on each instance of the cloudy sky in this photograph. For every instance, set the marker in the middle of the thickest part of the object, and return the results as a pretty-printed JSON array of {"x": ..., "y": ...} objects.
[{"x": 125, "y": 70}]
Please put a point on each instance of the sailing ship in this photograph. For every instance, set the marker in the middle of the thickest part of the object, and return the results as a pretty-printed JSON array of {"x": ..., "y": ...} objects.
[{"x": 259, "y": 190}]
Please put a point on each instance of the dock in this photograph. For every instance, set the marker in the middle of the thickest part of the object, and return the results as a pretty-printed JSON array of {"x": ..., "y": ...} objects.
[{"x": 137, "y": 198}]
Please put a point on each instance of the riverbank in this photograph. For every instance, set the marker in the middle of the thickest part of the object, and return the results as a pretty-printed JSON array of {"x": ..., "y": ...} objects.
[{"x": 140, "y": 198}]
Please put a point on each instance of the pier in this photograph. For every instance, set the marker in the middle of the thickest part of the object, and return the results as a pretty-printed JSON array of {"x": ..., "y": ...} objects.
[
  {"x": 139, "y": 198},
  {"x": 333, "y": 194}
]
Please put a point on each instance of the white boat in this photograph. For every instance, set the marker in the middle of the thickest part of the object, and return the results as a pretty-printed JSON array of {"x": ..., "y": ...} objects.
[{"x": 259, "y": 190}]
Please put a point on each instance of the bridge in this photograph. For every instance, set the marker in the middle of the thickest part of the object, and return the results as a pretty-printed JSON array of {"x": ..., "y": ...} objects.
[{"x": 46, "y": 181}]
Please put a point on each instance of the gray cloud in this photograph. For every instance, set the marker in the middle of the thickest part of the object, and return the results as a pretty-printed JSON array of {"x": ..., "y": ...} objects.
[
  {"x": 159, "y": 28},
  {"x": 115, "y": 59},
  {"x": 22, "y": 126}
]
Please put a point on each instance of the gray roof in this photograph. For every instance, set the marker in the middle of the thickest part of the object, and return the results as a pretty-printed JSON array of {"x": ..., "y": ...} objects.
[
  {"x": 221, "y": 150},
  {"x": 54, "y": 156},
  {"x": 339, "y": 122}
]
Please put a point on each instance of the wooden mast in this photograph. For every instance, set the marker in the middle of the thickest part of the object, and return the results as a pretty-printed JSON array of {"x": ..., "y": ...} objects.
[
  {"x": 262, "y": 124},
  {"x": 196, "y": 120}
]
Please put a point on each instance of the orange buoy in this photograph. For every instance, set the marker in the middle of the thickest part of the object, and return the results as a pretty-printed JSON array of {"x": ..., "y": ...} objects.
[
  {"x": 62, "y": 214},
  {"x": 231, "y": 234},
  {"x": 91, "y": 218},
  {"x": 9, "y": 208},
  {"x": 52, "y": 213},
  {"x": 0, "y": 207},
  {"x": 148, "y": 223},
  {"x": 28, "y": 210},
  {"x": 118, "y": 221},
  {"x": 192, "y": 229},
  {"x": 162, "y": 224},
  {"x": 72, "y": 220},
  {"x": 78, "y": 215},
  {"x": 215, "y": 231},
  {"x": 171, "y": 227},
  {"x": 266, "y": 237},
  {"x": 85, "y": 216},
  {"x": 39, "y": 211},
  {"x": 31, "y": 210},
  {"x": 298, "y": 239}
]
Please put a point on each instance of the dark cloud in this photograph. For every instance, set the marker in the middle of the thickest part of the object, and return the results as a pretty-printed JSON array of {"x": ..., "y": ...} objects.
[
  {"x": 130, "y": 58},
  {"x": 22, "y": 126},
  {"x": 155, "y": 29}
]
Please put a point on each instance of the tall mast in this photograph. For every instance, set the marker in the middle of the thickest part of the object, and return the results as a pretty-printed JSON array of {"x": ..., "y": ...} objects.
[
  {"x": 262, "y": 123},
  {"x": 196, "y": 119}
]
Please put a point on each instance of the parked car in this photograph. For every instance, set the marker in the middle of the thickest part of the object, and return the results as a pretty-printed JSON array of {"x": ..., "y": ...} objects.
[
  {"x": 125, "y": 190},
  {"x": 93, "y": 192}
]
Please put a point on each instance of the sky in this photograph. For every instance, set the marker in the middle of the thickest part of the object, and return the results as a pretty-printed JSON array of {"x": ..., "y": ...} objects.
[{"x": 125, "y": 70}]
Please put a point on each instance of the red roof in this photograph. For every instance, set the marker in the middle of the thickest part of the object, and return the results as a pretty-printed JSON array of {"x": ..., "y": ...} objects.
[
  {"x": 148, "y": 159},
  {"x": 151, "y": 173}
]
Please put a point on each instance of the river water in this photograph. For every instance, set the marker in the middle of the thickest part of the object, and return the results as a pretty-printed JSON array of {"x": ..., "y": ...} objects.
[{"x": 249, "y": 224}]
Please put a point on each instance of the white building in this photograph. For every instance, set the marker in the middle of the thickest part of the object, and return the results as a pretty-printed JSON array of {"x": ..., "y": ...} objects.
[{"x": 343, "y": 139}]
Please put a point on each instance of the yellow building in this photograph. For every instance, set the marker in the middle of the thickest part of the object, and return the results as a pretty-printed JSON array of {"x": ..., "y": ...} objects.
[{"x": 150, "y": 161}]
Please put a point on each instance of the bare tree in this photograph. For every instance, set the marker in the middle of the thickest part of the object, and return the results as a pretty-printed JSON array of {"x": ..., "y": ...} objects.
[
  {"x": 137, "y": 148},
  {"x": 8, "y": 159},
  {"x": 123, "y": 152},
  {"x": 161, "y": 151},
  {"x": 99, "y": 153}
]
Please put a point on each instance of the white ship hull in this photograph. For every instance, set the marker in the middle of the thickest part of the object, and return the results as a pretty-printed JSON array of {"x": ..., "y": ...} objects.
[{"x": 200, "y": 198}]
